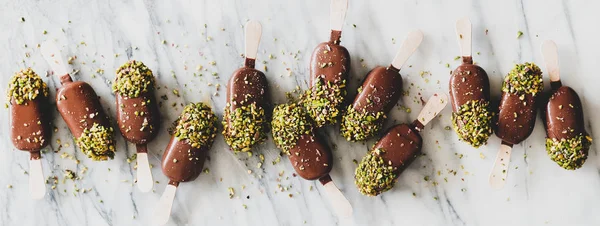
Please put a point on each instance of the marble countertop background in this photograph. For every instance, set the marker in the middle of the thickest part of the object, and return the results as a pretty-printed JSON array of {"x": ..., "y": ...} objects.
[{"x": 174, "y": 37}]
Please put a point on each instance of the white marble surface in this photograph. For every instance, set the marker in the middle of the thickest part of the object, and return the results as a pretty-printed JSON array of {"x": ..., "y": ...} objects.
[{"x": 105, "y": 34}]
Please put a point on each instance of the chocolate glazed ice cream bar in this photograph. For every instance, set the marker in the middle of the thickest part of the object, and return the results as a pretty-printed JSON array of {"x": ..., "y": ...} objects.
[
  {"x": 137, "y": 114},
  {"x": 245, "y": 122},
  {"x": 329, "y": 69},
  {"x": 192, "y": 137},
  {"x": 379, "y": 92},
  {"x": 295, "y": 135},
  {"x": 567, "y": 141},
  {"x": 29, "y": 128},
  {"x": 395, "y": 151},
  {"x": 80, "y": 107},
  {"x": 520, "y": 91},
  {"x": 470, "y": 94}
]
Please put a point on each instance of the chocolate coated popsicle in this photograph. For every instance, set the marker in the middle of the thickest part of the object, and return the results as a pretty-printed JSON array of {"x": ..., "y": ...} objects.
[
  {"x": 137, "y": 113},
  {"x": 395, "y": 151},
  {"x": 244, "y": 121},
  {"x": 470, "y": 94},
  {"x": 193, "y": 135},
  {"x": 377, "y": 95},
  {"x": 567, "y": 142},
  {"x": 80, "y": 107},
  {"x": 294, "y": 134},
  {"x": 516, "y": 118},
  {"x": 329, "y": 69},
  {"x": 28, "y": 96}
]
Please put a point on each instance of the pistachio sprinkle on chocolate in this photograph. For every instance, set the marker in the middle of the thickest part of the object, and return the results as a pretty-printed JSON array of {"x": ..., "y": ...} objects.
[
  {"x": 97, "y": 142},
  {"x": 247, "y": 127},
  {"x": 289, "y": 122},
  {"x": 524, "y": 79},
  {"x": 26, "y": 85},
  {"x": 197, "y": 124},
  {"x": 373, "y": 175},
  {"x": 133, "y": 78},
  {"x": 323, "y": 101},
  {"x": 473, "y": 122},
  {"x": 360, "y": 125},
  {"x": 569, "y": 153}
]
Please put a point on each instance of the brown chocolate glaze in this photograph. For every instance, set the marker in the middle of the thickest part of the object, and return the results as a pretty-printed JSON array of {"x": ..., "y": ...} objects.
[
  {"x": 181, "y": 162},
  {"x": 140, "y": 127},
  {"x": 310, "y": 158},
  {"x": 401, "y": 144},
  {"x": 29, "y": 124},
  {"x": 516, "y": 117},
  {"x": 246, "y": 86},
  {"x": 468, "y": 82},
  {"x": 564, "y": 114},
  {"x": 381, "y": 90},
  {"x": 330, "y": 61},
  {"x": 79, "y": 106}
]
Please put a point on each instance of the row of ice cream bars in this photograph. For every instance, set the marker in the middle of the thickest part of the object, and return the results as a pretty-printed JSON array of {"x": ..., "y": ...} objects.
[{"x": 247, "y": 116}]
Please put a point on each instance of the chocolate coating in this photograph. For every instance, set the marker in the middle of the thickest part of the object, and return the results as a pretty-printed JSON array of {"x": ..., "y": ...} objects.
[
  {"x": 381, "y": 90},
  {"x": 79, "y": 106},
  {"x": 181, "y": 162},
  {"x": 468, "y": 82},
  {"x": 402, "y": 145},
  {"x": 138, "y": 118},
  {"x": 29, "y": 125},
  {"x": 516, "y": 117},
  {"x": 564, "y": 114},
  {"x": 247, "y": 85},
  {"x": 310, "y": 158},
  {"x": 330, "y": 61}
]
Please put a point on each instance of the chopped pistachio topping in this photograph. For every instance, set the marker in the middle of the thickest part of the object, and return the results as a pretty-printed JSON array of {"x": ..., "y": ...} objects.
[
  {"x": 246, "y": 128},
  {"x": 289, "y": 122},
  {"x": 323, "y": 101},
  {"x": 569, "y": 153},
  {"x": 97, "y": 142},
  {"x": 133, "y": 78},
  {"x": 26, "y": 85},
  {"x": 360, "y": 125},
  {"x": 473, "y": 122},
  {"x": 373, "y": 175},
  {"x": 524, "y": 79},
  {"x": 197, "y": 124}
]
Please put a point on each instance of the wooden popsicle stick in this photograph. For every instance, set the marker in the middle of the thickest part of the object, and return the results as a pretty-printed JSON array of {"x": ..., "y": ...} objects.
[
  {"x": 550, "y": 54},
  {"x": 408, "y": 47},
  {"x": 37, "y": 184},
  {"x": 163, "y": 212},
  {"x": 463, "y": 31},
  {"x": 433, "y": 107},
  {"x": 52, "y": 55},
  {"x": 144, "y": 174},
  {"x": 253, "y": 34},
  {"x": 500, "y": 168},
  {"x": 337, "y": 14},
  {"x": 340, "y": 203}
]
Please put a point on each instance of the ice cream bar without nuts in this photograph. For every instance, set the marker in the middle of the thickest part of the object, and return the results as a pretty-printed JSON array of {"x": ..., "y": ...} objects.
[
  {"x": 395, "y": 151},
  {"x": 28, "y": 97},
  {"x": 183, "y": 159}
]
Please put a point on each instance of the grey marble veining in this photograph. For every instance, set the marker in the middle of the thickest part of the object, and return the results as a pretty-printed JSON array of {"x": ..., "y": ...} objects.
[{"x": 174, "y": 37}]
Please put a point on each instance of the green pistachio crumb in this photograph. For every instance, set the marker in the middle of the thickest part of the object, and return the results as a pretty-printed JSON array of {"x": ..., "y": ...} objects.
[
  {"x": 570, "y": 153},
  {"x": 247, "y": 127},
  {"x": 133, "y": 78},
  {"x": 373, "y": 175},
  {"x": 97, "y": 142},
  {"x": 473, "y": 122},
  {"x": 360, "y": 125},
  {"x": 524, "y": 79},
  {"x": 197, "y": 124},
  {"x": 289, "y": 122},
  {"x": 519, "y": 34},
  {"x": 323, "y": 101},
  {"x": 26, "y": 85}
]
